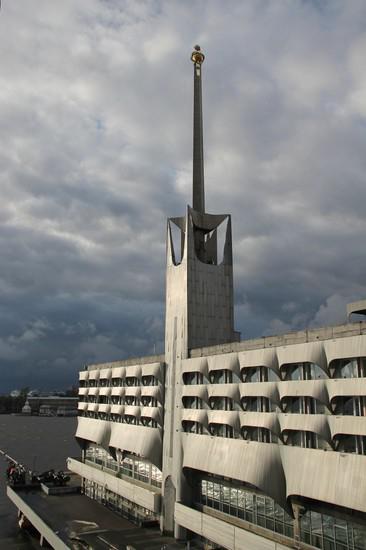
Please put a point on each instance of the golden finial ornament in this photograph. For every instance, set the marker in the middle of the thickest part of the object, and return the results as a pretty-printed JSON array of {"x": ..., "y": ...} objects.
[{"x": 197, "y": 56}]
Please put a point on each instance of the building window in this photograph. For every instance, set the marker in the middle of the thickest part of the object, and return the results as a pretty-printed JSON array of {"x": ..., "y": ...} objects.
[
  {"x": 350, "y": 444},
  {"x": 257, "y": 404},
  {"x": 221, "y": 430},
  {"x": 240, "y": 502},
  {"x": 192, "y": 378},
  {"x": 302, "y": 371},
  {"x": 331, "y": 533},
  {"x": 221, "y": 403},
  {"x": 149, "y": 381},
  {"x": 302, "y": 405},
  {"x": 222, "y": 376},
  {"x": 192, "y": 402},
  {"x": 129, "y": 419},
  {"x": 299, "y": 438},
  {"x": 131, "y": 466},
  {"x": 263, "y": 435},
  {"x": 148, "y": 422},
  {"x": 131, "y": 400},
  {"x": 117, "y": 503},
  {"x": 149, "y": 401},
  {"x": 348, "y": 368},
  {"x": 190, "y": 426},
  {"x": 132, "y": 381},
  {"x": 258, "y": 374},
  {"x": 349, "y": 405}
]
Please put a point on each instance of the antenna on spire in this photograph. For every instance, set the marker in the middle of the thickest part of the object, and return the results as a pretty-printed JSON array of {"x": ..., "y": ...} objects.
[{"x": 198, "y": 169}]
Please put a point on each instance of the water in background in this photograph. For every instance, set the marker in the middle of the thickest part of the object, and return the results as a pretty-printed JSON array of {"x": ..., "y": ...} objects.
[{"x": 40, "y": 443}]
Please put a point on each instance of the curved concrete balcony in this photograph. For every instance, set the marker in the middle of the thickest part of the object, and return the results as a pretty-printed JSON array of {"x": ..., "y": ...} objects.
[
  {"x": 117, "y": 409},
  {"x": 315, "y": 423},
  {"x": 195, "y": 415},
  {"x": 152, "y": 391},
  {"x": 106, "y": 390},
  {"x": 153, "y": 369},
  {"x": 256, "y": 463},
  {"x": 345, "y": 348},
  {"x": 228, "y": 418},
  {"x": 140, "y": 440},
  {"x": 105, "y": 374},
  {"x": 309, "y": 352},
  {"x": 154, "y": 413},
  {"x": 267, "y": 420},
  {"x": 119, "y": 372},
  {"x": 326, "y": 476},
  {"x": 104, "y": 408},
  {"x": 265, "y": 357},
  {"x": 347, "y": 425},
  {"x": 228, "y": 361},
  {"x": 94, "y": 374},
  {"x": 198, "y": 364},
  {"x": 260, "y": 389},
  {"x": 316, "y": 389},
  {"x": 133, "y": 410},
  {"x": 224, "y": 390},
  {"x": 134, "y": 371},
  {"x": 84, "y": 375},
  {"x": 282, "y": 471},
  {"x": 134, "y": 391},
  {"x": 196, "y": 390},
  {"x": 118, "y": 391},
  {"x": 321, "y": 353},
  {"x": 94, "y": 430},
  {"x": 346, "y": 387}
]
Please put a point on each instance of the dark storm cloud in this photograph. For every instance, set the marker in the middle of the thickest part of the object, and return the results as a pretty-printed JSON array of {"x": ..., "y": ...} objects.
[{"x": 95, "y": 119}]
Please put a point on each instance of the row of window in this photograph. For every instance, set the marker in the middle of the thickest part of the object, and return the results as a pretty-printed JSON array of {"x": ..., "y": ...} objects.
[
  {"x": 120, "y": 505},
  {"x": 122, "y": 419},
  {"x": 144, "y": 401},
  {"x": 297, "y": 438},
  {"x": 341, "y": 405},
  {"x": 339, "y": 368},
  {"x": 119, "y": 382},
  {"x": 130, "y": 466},
  {"x": 320, "y": 530}
]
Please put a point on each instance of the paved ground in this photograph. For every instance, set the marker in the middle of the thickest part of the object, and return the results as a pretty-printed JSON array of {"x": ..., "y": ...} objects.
[{"x": 78, "y": 516}]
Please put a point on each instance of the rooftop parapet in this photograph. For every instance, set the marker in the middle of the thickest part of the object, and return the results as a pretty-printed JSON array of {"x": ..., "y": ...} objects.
[{"x": 356, "y": 307}]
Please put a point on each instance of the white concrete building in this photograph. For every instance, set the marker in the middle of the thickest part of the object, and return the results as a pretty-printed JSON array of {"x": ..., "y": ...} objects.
[{"x": 256, "y": 444}]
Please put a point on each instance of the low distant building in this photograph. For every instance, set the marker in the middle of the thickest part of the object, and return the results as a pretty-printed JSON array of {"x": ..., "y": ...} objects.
[{"x": 51, "y": 405}]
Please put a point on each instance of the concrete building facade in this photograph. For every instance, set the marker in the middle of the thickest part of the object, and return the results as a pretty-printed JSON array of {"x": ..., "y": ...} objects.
[{"x": 254, "y": 444}]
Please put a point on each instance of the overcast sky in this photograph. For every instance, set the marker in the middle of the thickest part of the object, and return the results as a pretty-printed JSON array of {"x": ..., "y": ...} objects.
[{"x": 96, "y": 153}]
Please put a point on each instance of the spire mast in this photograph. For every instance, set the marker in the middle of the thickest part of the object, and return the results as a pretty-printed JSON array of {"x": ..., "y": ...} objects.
[{"x": 198, "y": 171}]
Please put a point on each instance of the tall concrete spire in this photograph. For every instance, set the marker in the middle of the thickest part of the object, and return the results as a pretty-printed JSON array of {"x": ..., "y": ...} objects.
[
  {"x": 199, "y": 308},
  {"x": 198, "y": 170}
]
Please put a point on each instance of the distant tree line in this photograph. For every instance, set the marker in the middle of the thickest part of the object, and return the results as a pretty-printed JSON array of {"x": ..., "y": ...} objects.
[{"x": 9, "y": 404}]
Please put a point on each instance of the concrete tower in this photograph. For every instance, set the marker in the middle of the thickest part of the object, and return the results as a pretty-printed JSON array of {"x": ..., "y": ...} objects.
[{"x": 199, "y": 299}]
